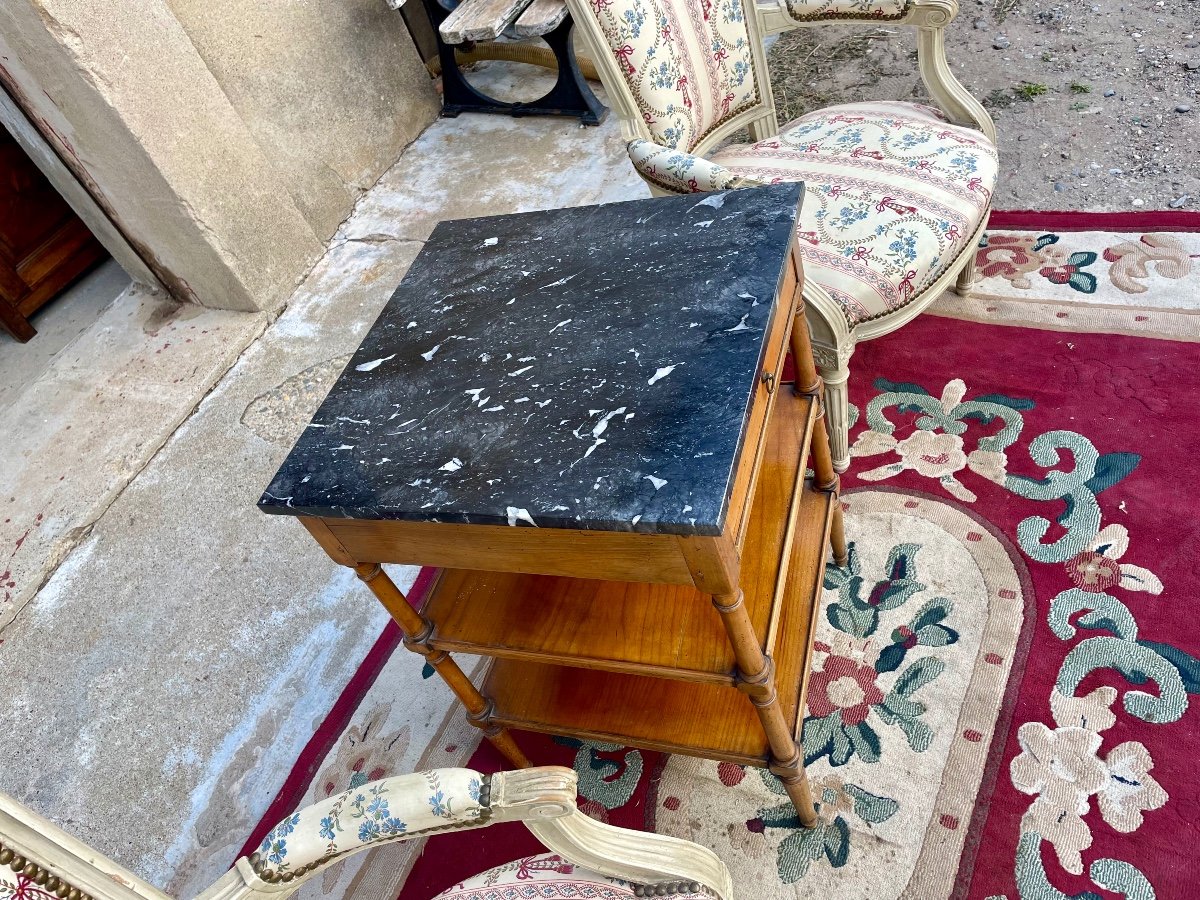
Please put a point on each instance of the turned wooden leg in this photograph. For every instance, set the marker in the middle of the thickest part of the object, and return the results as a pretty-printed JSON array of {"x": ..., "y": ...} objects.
[
  {"x": 714, "y": 565},
  {"x": 756, "y": 676},
  {"x": 968, "y": 276},
  {"x": 825, "y": 476},
  {"x": 417, "y": 630}
]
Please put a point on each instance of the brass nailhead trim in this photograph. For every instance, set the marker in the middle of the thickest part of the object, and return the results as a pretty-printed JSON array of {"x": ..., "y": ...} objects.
[
  {"x": 39, "y": 875},
  {"x": 667, "y": 888}
]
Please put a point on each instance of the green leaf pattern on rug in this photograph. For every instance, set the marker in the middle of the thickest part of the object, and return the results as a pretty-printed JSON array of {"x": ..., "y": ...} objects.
[
  {"x": 845, "y": 695},
  {"x": 608, "y": 773},
  {"x": 835, "y": 800}
]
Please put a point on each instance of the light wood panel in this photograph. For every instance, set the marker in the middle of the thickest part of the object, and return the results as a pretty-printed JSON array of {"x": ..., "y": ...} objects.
[
  {"x": 669, "y": 630},
  {"x": 619, "y": 555},
  {"x": 480, "y": 20},
  {"x": 709, "y": 720}
]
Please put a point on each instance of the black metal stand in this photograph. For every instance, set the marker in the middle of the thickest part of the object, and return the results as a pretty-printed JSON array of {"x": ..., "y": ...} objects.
[{"x": 570, "y": 96}]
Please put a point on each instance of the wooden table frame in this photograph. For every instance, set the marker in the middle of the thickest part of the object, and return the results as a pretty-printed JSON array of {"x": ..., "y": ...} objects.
[{"x": 711, "y": 565}]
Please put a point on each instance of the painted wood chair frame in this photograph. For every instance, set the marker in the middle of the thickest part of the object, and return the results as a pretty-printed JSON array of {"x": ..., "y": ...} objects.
[
  {"x": 834, "y": 339},
  {"x": 38, "y": 859}
]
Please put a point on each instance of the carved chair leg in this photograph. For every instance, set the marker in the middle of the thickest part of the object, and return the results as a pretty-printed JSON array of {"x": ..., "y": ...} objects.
[
  {"x": 837, "y": 414},
  {"x": 833, "y": 345},
  {"x": 417, "y": 630},
  {"x": 968, "y": 277}
]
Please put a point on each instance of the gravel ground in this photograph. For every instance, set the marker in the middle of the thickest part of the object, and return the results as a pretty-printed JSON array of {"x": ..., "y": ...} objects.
[{"x": 1097, "y": 104}]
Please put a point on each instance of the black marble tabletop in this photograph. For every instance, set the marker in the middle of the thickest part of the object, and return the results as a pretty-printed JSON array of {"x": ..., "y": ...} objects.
[{"x": 579, "y": 368}]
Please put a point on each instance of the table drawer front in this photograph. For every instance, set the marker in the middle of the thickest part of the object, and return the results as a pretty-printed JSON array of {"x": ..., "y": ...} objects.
[
  {"x": 769, "y": 378},
  {"x": 616, "y": 555}
]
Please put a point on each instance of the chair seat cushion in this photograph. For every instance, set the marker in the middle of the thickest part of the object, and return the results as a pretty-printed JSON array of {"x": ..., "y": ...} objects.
[
  {"x": 545, "y": 877},
  {"x": 893, "y": 196}
]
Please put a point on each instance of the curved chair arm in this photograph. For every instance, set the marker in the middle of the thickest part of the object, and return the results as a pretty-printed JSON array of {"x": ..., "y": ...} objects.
[
  {"x": 677, "y": 172},
  {"x": 397, "y": 808},
  {"x": 408, "y": 806},
  {"x": 783, "y": 15},
  {"x": 929, "y": 17}
]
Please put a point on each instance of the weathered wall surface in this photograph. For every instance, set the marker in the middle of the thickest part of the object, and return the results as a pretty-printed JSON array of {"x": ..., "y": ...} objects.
[
  {"x": 229, "y": 169},
  {"x": 332, "y": 90}
]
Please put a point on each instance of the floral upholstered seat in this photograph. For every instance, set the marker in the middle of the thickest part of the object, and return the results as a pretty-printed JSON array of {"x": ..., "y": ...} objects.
[
  {"x": 548, "y": 876},
  {"x": 894, "y": 195}
]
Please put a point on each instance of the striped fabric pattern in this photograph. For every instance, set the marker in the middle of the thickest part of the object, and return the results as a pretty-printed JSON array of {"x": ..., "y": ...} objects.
[
  {"x": 893, "y": 196},
  {"x": 688, "y": 63}
]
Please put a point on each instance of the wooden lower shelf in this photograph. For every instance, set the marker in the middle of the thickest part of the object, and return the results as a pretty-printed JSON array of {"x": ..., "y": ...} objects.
[
  {"x": 667, "y": 630},
  {"x": 709, "y": 720}
]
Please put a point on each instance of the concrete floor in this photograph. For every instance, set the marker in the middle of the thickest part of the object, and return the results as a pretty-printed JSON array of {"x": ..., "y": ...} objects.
[
  {"x": 60, "y": 322},
  {"x": 165, "y": 649}
]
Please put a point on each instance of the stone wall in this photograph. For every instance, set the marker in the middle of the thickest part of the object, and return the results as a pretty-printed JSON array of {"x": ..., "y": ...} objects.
[{"x": 226, "y": 140}]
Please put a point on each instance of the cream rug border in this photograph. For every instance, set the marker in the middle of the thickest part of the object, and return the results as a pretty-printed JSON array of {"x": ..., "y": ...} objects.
[{"x": 1071, "y": 316}]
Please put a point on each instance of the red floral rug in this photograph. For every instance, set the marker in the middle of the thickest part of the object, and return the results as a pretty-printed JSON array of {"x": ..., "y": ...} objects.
[{"x": 1001, "y": 704}]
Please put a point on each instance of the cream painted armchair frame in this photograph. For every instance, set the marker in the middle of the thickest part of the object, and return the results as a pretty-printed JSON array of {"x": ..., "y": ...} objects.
[
  {"x": 542, "y": 798},
  {"x": 833, "y": 338}
]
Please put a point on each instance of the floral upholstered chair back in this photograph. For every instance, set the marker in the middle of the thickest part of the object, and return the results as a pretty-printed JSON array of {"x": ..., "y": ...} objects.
[{"x": 694, "y": 69}]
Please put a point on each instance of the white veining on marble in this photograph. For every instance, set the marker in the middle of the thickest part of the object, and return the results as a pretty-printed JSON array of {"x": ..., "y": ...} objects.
[
  {"x": 662, "y": 373},
  {"x": 519, "y": 514},
  {"x": 373, "y": 364}
]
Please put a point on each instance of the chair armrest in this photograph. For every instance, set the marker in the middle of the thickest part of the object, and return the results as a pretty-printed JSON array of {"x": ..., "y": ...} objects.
[
  {"x": 929, "y": 17},
  {"x": 681, "y": 173},
  {"x": 390, "y": 809},
  {"x": 782, "y": 15}
]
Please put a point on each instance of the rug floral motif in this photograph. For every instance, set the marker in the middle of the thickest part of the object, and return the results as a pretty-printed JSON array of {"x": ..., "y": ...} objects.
[
  {"x": 1086, "y": 263},
  {"x": 918, "y": 637}
]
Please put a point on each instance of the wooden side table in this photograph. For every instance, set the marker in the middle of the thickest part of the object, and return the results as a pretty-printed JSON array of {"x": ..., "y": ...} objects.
[{"x": 577, "y": 416}]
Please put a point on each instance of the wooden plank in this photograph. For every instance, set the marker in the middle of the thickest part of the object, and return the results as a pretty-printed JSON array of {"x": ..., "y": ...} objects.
[
  {"x": 797, "y": 520},
  {"x": 610, "y": 555},
  {"x": 541, "y": 17},
  {"x": 708, "y": 720},
  {"x": 420, "y": 28},
  {"x": 800, "y": 625},
  {"x": 480, "y": 20},
  {"x": 329, "y": 543},
  {"x": 666, "y": 630}
]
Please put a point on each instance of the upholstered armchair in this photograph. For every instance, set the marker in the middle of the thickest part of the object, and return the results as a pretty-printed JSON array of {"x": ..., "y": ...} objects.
[
  {"x": 590, "y": 859},
  {"x": 897, "y": 194}
]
